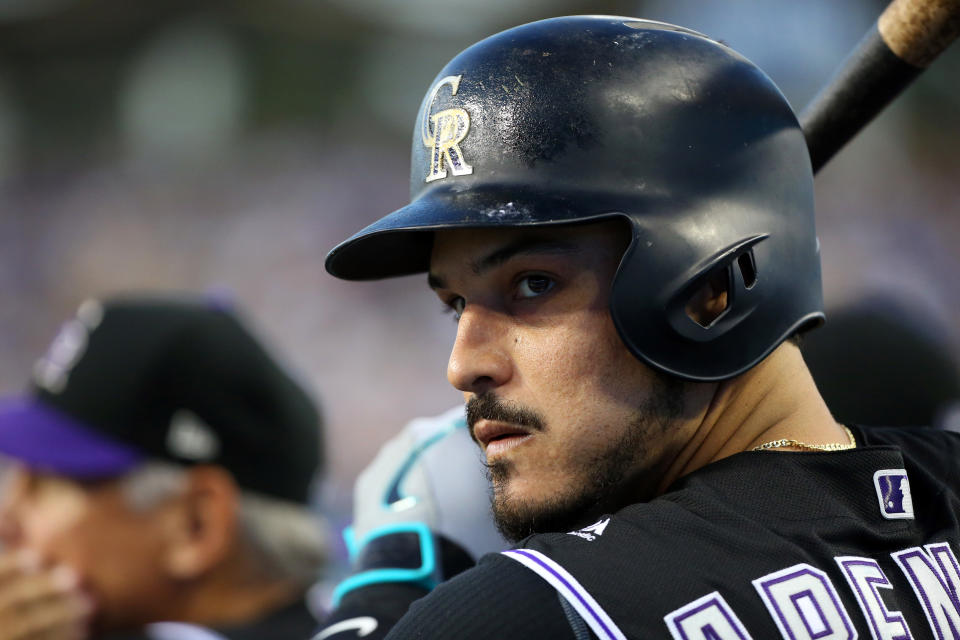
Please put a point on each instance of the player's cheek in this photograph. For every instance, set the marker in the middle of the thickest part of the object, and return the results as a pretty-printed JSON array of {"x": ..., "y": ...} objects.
[{"x": 547, "y": 462}]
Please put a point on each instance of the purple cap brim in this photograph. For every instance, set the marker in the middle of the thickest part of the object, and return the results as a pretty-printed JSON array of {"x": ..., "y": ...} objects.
[{"x": 45, "y": 439}]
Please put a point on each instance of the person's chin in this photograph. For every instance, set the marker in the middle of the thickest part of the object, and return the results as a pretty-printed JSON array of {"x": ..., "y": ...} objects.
[
  {"x": 528, "y": 491},
  {"x": 519, "y": 513}
]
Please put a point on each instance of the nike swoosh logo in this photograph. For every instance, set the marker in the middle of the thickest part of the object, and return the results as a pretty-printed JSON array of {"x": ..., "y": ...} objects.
[
  {"x": 393, "y": 499},
  {"x": 363, "y": 626}
]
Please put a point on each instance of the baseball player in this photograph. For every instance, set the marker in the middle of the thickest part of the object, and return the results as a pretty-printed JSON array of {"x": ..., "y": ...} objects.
[
  {"x": 156, "y": 479},
  {"x": 620, "y": 215}
]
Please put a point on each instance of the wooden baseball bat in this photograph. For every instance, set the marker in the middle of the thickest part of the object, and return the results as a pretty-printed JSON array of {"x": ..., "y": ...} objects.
[{"x": 906, "y": 38}]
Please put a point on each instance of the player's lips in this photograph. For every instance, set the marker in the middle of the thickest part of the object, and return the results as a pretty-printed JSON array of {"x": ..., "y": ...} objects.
[{"x": 498, "y": 437}]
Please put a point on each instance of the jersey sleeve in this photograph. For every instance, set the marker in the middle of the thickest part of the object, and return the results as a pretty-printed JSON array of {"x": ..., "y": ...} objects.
[{"x": 499, "y": 598}]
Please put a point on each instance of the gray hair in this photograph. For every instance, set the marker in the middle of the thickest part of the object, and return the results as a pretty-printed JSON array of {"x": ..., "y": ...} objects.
[{"x": 289, "y": 540}]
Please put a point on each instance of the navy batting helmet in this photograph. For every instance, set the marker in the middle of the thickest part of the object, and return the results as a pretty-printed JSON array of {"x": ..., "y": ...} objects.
[{"x": 579, "y": 119}]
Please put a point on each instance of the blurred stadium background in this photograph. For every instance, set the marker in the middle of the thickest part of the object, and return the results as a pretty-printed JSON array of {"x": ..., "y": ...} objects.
[{"x": 203, "y": 144}]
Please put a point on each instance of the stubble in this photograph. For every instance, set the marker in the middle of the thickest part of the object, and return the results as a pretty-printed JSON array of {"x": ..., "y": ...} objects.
[{"x": 603, "y": 482}]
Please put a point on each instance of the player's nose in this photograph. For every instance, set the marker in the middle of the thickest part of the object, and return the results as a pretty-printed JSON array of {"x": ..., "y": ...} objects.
[{"x": 479, "y": 361}]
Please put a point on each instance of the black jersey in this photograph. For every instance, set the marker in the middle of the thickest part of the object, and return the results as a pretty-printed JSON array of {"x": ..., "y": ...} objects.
[{"x": 797, "y": 545}]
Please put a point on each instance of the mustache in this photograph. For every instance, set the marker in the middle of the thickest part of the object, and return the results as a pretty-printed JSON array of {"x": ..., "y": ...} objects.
[{"x": 487, "y": 406}]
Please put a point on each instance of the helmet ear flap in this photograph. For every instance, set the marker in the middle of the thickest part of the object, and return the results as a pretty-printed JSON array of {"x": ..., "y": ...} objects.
[
  {"x": 710, "y": 301},
  {"x": 713, "y": 300}
]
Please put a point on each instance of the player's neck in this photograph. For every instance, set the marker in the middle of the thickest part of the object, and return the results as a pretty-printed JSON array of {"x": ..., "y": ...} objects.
[{"x": 776, "y": 399}]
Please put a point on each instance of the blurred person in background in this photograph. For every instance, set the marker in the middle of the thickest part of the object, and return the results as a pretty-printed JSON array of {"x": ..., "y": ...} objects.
[
  {"x": 875, "y": 362},
  {"x": 157, "y": 477}
]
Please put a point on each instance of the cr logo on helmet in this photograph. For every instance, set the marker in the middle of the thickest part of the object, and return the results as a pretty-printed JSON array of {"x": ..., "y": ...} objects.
[{"x": 443, "y": 132}]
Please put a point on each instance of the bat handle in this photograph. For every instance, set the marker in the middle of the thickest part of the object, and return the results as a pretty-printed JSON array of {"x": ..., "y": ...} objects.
[{"x": 906, "y": 38}]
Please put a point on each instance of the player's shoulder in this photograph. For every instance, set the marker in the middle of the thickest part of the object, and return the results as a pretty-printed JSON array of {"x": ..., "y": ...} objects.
[
  {"x": 926, "y": 451},
  {"x": 911, "y": 440},
  {"x": 498, "y": 598},
  {"x": 662, "y": 521}
]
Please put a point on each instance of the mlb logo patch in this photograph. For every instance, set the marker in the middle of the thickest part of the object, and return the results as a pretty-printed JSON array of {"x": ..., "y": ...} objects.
[{"x": 893, "y": 492}]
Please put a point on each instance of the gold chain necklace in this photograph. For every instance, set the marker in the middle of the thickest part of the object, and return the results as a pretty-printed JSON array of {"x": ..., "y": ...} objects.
[{"x": 787, "y": 442}]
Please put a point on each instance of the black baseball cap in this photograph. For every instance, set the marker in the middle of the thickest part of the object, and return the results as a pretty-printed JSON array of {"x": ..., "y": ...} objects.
[{"x": 179, "y": 379}]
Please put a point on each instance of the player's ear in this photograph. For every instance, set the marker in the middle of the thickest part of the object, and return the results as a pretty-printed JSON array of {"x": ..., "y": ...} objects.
[
  {"x": 201, "y": 525},
  {"x": 711, "y": 299}
]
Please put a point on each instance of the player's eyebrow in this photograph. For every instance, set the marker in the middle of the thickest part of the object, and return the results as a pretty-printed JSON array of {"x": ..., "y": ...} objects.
[{"x": 527, "y": 245}]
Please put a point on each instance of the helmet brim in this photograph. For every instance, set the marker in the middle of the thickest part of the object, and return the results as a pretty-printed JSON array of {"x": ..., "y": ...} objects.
[{"x": 400, "y": 243}]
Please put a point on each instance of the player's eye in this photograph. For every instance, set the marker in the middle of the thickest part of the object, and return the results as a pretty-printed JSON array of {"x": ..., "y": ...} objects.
[
  {"x": 454, "y": 306},
  {"x": 533, "y": 286}
]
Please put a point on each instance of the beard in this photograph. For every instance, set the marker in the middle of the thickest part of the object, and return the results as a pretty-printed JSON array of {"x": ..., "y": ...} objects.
[{"x": 603, "y": 482}]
